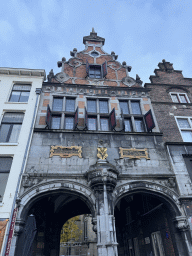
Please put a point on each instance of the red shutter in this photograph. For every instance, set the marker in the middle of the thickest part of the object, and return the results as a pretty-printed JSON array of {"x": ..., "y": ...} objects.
[
  {"x": 76, "y": 118},
  {"x": 112, "y": 119},
  {"x": 123, "y": 120},
  {"x": 149, "y": 121},
  {"x": 104, "y": 67},
  {"x": 87, "y": 67},
  {"x": 48, "y": 117},
  {"x": 86, "y": 120}
]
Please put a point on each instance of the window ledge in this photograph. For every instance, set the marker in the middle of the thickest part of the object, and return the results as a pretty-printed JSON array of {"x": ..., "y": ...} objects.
[
  {"x": 16, "y": 102},
  {"x": 8, "y": 144}
]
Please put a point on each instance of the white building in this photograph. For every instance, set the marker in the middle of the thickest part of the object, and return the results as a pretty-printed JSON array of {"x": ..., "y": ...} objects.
[{"x": 19, "y": 99}]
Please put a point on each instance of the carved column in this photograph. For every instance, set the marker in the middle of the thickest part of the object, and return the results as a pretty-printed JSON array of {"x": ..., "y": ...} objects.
[
  {"x": 182, "y": 225},
  {"x": 102, "y": 178}
]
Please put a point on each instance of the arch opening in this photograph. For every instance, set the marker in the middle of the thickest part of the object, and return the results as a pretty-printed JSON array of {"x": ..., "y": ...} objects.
[
  {"x": 50, "y": 211},
  {"x": 144, "y": 226}
]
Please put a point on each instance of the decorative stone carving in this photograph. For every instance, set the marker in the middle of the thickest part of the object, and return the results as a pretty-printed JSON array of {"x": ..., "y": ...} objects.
[
  {"x": 181, "y": 223},
  {"x": 171, "y": 182},
  {"x": 50, "y": 76},
  {"x": 102, "y": 173},
  {"x": 65, "y": 152},
  {"x": 129, "y": 81},
  {"x": 61, "y": 77},
  {"x": 19, "y": 227},
  {"x": 94, "y": 222},
  {"x": 102, "y": 153}
]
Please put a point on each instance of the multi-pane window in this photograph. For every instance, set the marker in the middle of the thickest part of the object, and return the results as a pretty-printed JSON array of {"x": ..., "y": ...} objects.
[
  {"x": 185, "y": 127},
  {"x": 94, "y": 71},
  {"x": 5, "y": 166},
  {"x": 133, "y": 119},
  {"x": 98, "y": 110},
  {"x": 62, "y": 115},
  {"x": 10, "y": 127},
  {"x": 179, "y": 97},
  {"x": 20, "y": 93}
]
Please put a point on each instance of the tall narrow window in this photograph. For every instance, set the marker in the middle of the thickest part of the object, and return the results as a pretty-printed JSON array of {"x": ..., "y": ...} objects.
[
  {"x": 10, "y": 127},
  {"x": 57, "y": 104},
  {"x": 185, "y": 127},
  {"x": 91, "y": 106},
  {"x": 135, "y": 106},
  {"x": 70, "y": 105},
  {"x": 69, "y": 123},
  {"x": 104, "y": 124},
  {"x": 5, "y": 166},
  {"x": 103, "y": 106},
  {"x": 92, "y": 123},
  {"x": 20, "y": 93},
  {"x": 56, "y": 122},
  {"x": 124, "y": 107}
]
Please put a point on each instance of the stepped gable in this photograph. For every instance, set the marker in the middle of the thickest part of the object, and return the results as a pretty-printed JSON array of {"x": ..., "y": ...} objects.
[
  {"x": 76, "y": 70},
  {"x": 166, "y": 74}
]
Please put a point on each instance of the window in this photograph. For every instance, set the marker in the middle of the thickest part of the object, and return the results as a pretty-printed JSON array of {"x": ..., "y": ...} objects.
[
  {"x": 132, "y": 116},
  {"x": 10, "y": 127},
  {"x": 62, "y": 116},
  {"x": 20, "y": 93},
  {"x": 185, "y": 127},
  {"x": 96, "y": 71},
  {"x": 5, "y": 166},
  {"x": 98, "y": 110},
  {"x": 179, "y": 97}
]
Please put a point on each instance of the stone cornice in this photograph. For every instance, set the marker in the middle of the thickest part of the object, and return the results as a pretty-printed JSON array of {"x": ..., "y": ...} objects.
[{"x": 23, "y": 72}]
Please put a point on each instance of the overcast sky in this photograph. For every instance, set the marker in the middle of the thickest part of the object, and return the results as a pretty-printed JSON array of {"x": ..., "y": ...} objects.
[{"x": 37, "y": 34}]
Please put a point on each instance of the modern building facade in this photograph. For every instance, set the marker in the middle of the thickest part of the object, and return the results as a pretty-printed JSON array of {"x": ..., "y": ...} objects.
[
  {"x": 97, "y": 149},
  {"x": 19, "y": 98}
]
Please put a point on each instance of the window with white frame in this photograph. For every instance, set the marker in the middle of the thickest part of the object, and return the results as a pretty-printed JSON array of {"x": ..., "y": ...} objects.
[
  {"x": 63, "y": 114},
  {"x": 5, "y": 166},
  {"x": 179, "y": 97},
  {"x": 98, "y": 109},
  {"x": 20, "y": 93},
  {"x": 132, "y": 116},
  {"x": 185, "y": 127},
  {"x": 10, "y": 127}
]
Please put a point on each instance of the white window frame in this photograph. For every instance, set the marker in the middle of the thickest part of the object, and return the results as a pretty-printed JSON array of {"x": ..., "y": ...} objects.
[
  {"x": 12, "y": 89},
  {"x": 189, "y": 118},
  {"x": 178, "y": 96}
]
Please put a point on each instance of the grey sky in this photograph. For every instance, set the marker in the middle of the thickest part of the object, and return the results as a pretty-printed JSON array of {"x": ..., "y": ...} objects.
[{"x": 37, "y": 34}]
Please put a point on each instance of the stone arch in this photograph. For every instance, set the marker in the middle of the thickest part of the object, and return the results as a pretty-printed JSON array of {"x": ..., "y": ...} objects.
[
  {"x": 168, "y": 196},
  {"x": 33, "y": 194}
]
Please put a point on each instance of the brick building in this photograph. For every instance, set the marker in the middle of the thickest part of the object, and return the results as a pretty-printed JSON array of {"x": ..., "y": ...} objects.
[
  {"x": 171, "y": 97},
  {"x": 97, "y": 149}
]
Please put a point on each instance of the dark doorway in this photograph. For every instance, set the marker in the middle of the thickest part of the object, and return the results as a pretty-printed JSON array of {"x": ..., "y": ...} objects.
[
  {"x": 144, "y": 227},
  {"x": 50, "y": 213}
]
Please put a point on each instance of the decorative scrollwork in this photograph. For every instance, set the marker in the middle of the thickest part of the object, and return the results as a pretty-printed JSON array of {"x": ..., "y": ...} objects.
[{"x": 102, "y": 153}]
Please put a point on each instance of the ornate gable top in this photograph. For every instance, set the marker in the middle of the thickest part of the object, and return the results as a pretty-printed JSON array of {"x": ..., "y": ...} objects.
[{"x": 93, "y": 37}]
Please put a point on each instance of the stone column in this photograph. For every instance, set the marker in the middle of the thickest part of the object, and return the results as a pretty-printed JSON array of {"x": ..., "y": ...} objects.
[
  {"x": 102, "y": 178},
  {"x": 182, "y": 225}
]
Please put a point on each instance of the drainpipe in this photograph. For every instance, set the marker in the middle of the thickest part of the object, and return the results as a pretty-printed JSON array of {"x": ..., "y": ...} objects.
[{"x": 5, "y": 247}]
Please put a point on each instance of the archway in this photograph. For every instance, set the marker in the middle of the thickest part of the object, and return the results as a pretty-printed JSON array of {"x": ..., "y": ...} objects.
[
  {"x": 50, "y": 209},
  {"x": 144, "y": 224}
]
